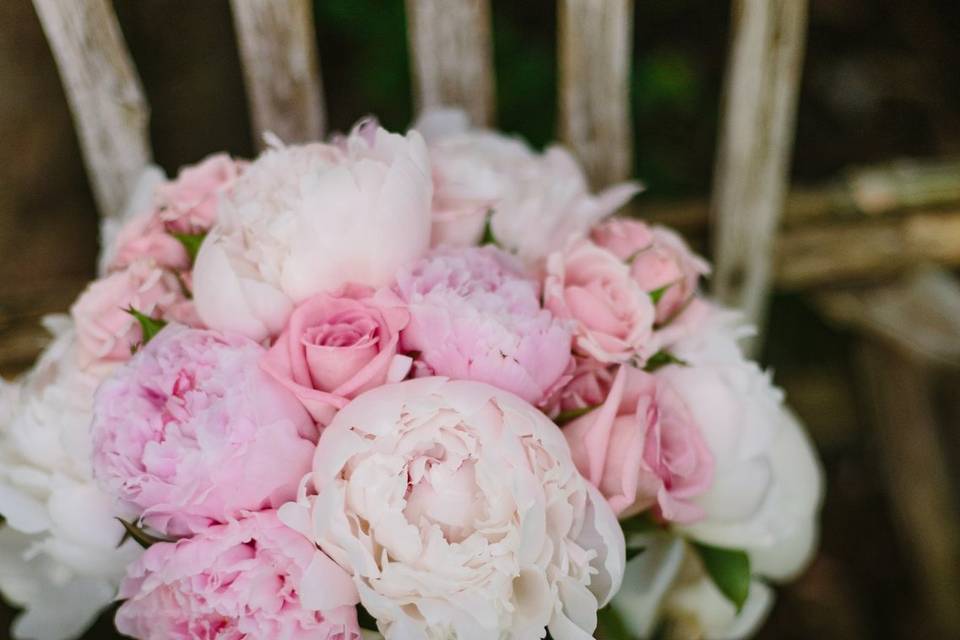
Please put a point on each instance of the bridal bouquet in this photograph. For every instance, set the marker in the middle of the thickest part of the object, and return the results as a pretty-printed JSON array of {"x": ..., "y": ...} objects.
[{"x": 421, "y": 385}]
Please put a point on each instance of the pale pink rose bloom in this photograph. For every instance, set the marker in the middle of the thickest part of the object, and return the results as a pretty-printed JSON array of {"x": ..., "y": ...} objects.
[
  {"x": 474, "y": 316},
  {"x": 337, "y": 346},
  {"x": 642, "y": 449},
  {"x": 536, "y": 201},
  {"x": 614, "y": 316},
  {"x": 659, "y": 260},
  {"x": 145, "y": 236},
  {"x": 189, "y": 203},
  {"x": 235, "y": 581},
  {"x": 458, "y": 511},
  {"x": 191, "y": 431},
  {"x": 304, "y": 220},
  {"x": 105, "y": 331},
  {"x": 586, "y": 386}
]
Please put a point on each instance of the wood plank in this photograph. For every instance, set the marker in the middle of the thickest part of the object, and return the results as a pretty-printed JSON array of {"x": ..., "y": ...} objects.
[
  {"x": 451, "y": 54},
  {"x": 595, "y": 46},
  {"x": 281, "y": 70},
  {"x": 104, "y": 93},
  {"x": 900, "y": 392},
  {"x": 753, "y": 155}
]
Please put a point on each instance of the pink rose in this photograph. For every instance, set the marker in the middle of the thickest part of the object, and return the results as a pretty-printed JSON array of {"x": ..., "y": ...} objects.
[
  {"x": 145, "y": 236},
  {"x": 105, "y": 331},
  {"x": 614, "y": 316},
  {"x": 235, "y": 581},
  {"x": 474, "y": 316},
  {"x": 337, "y": 346},
  {"x": 189, "y": 203},
  {"x": 191, "y": 431},
  {"x": 642, "y": 448},
  {"x": 659, "y": 260},
  {"x": 587, "y": 386}
]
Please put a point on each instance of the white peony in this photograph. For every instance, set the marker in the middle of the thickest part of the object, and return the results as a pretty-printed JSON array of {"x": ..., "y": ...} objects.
[
  {"x": 58, "y": 547},
  {"x": 307, "y": 219},
  {"x": 458, "y": 511},
  {"x": 538, "y": 200}
]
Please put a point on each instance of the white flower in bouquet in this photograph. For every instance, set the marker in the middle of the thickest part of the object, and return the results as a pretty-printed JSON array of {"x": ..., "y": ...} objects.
[
  {"x": 458, "y": 511},
  {"x": 536, "y": 201},
  {"x": 58, "y": 546},
  {"x": 307, "y": 219}
]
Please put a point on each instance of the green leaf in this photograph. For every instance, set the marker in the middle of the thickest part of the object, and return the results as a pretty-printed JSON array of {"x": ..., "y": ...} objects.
[
  {"x": 365, "y": 620},
  {"x": 633, "y": 552},
  {"x": 661, "y": 359},
  {"x": 656, "y": 294},
  {"x": 610, "y": 626},
  {"x": 730, "y": 571},
  {"x": 150, "y": 326},
  {"x": 138, "y": 534},
  {"x": 572, "y": 414},
  {"x": 191, "y": 242},
  {"x": 641, "y": 523},
  {"x": 488, "y": 237}
]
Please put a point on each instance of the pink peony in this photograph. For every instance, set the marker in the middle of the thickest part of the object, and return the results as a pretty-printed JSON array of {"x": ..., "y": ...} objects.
[
  {"x": 642, "y": 448},
  {"x": 614, "y": 316},
  {"x": 191, "y": 431},
  {"x": 105, "y": 331},
  {"x": 659, "y": 259},
  {"x": 474, "y": 316},
  {"x": 189, "y": 203},
  {"x": 337, "y": 346},
  {"x": 235, "y": 581},
  {"x": 459, "y": 513}
]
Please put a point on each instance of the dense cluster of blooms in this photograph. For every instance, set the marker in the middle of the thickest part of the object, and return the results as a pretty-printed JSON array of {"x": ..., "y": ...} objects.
[{"x": 422, "y": 386}]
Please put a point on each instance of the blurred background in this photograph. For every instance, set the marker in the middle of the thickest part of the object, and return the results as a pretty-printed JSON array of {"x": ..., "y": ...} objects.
[{"x": 880, "y": 84}]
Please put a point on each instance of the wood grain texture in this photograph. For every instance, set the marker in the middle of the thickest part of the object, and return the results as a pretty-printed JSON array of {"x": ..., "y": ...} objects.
[
  {"x": 451, "y": 54},
  {"x": 281, "y": 71},
  {"x": 104, "y": 93},
  {"x": 900, "y": 391},
  {"x": 595, "y": 42},
  {"x": 756, "y": 138}
]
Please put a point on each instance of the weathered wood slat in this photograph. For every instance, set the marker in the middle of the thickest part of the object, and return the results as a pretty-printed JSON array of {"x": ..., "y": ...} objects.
[
  {"x": 451, "y": 54},
  {"x": 278, "y": 51},
  {"x": 595, "y": 42},
  {"x": 756, "y": 138},
  {"x": 104, "y": 94}
]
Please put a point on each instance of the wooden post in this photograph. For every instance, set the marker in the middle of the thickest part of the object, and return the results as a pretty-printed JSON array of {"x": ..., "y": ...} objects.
[
  {"x": 753, "y": 155},
  {"x": 104, "y": 93},
  {"x": 278, "y": 50},
  {"x": 451, "y": 55},
  {"x": 595, "y": 41}
]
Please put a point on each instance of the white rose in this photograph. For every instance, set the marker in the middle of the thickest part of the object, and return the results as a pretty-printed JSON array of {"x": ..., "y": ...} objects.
[
  {"x": 667, "y": 584},
  {"x": 58, "y": 547},
  {"x": 768, "y": 484},
  {"x": 307, "y": 219},
  {"x": 459, "y": 512},
  {"x": 538, "y": 200}
]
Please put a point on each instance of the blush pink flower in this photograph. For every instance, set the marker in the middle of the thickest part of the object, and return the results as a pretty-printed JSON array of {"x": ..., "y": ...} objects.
[
  {"x": 660, "y": 261},
  {"x": 643, "y": 449},
  {"x": 613, "y": 315},
  {"x": 144, "y": 236},
  {"x": 189, "y": 203},
  {"x": 474, "y": 316},
  {"x": 337, "y": 346},
  {"x": 236, "y": 581},
  {"x": 105, "y": 331},
  {"x": 586, "y": 387},
  {"x": 191, "y": 431}
]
